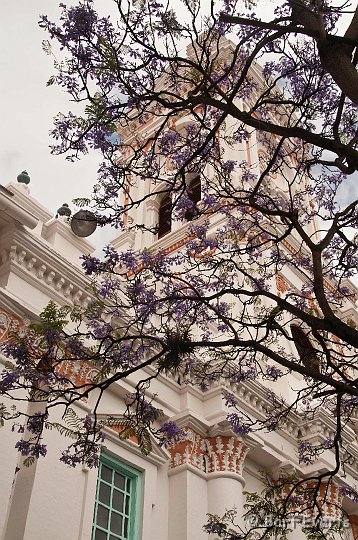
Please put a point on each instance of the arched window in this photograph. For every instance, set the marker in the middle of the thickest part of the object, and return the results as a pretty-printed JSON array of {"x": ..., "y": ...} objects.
[
  {"x": 304, "y": 348},
  {"x": 194, "y": 190},
  {"x": 194, "y": 194},
  {"x": 165, "y": 217}
]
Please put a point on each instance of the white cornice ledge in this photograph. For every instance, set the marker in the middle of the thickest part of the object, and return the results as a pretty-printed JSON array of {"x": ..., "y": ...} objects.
[
  {"x": 9, "y": 205},
  {"x": 48, "y": 270},
  {"x": 62, "y": 228},
  {"x": 28, "y": 204}
]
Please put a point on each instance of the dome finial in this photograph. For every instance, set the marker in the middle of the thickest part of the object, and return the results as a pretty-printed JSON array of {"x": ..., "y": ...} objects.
[
  {"x": 23, "y": 178},
  {"x": 64, "y": 210}
]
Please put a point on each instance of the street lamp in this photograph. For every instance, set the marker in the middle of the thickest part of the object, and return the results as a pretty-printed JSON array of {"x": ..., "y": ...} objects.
[{"x": 83, "y": 223}]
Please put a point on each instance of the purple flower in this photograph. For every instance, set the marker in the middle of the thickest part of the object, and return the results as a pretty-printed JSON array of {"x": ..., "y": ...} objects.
[
  {"x": 28, "y": 448},
  {"x": 238, "y": 425},
  {"x": 230, "y": 399},
  {"x": 23, "y": 447},
  {"x": 8, "y": 380},
  {"x": 35, "y": 422},
  {"x": 350, "y": 492},
  {"x": 84, "y": 450},
  {"x": 273, "y": 373},
  {"x": 228, "y": 166},
  {"x": 169, "y": 433}
]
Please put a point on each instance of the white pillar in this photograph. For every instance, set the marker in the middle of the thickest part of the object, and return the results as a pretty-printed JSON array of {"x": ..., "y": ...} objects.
[
  {"x": 226, "y": 455},
  {"x": 151, "y": 213},
  {"x": 187, "y": 504},
  {"x": 20, "y": 497},
  {"x": 205, "y": 477},
  {"x": 187, "y": 490},
  {"x": 225, "y": 493}
]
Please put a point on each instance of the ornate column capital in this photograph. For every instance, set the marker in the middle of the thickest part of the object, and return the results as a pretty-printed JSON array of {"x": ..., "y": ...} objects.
[
  {"x": 219, "y": 453},
  {"x": 312, "y": 499}
]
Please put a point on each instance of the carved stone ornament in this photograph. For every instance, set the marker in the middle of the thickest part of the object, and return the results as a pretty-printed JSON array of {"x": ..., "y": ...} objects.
[{"x": 222, "y": 453}]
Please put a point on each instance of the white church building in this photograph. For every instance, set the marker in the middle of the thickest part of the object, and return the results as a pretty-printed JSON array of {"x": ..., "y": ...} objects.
[{"x": 167, "y": 494}]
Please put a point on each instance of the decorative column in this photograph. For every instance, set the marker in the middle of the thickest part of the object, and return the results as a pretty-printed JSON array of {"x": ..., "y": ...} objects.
[
  {"x": 188, "y": 504},
  {"x": 21, "y": 492},
  {"x": 330, "y": 498},
  {"x": 205, "y": 477},
  {"x": 225, "y": 458},
  {"x": 150, "y": 218},
  {"x": 326, "y": 497}
]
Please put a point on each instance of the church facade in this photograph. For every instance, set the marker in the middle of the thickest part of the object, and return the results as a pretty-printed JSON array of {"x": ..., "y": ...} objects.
[{"x": 167, "y": 494}]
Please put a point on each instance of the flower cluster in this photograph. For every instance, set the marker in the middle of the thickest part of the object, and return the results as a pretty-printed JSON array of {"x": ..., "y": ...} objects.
[
  {"x": 169, "y": 433},
  {"x": 31, "y": 449},
  {"x": 273, "y": 373},
  {"x": 238, "y": 425}
]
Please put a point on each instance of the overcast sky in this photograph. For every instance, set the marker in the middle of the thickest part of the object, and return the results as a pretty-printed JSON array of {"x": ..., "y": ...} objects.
[{"x": 28, "y": 106}]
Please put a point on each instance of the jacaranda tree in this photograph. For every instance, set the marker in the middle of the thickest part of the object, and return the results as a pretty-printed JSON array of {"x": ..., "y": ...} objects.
[{"x": 176, "y": 91}]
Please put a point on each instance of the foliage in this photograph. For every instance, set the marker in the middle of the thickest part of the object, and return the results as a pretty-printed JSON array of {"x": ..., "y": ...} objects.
[
  {"x": 285, "y": 504},
  {"x": 221, "y": 309}
]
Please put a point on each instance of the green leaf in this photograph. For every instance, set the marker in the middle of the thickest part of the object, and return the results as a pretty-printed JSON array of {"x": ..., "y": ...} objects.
[{"x": 30, "y": 460}]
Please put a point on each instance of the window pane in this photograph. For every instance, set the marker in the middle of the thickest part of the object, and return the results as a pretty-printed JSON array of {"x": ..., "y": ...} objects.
[
  {"x": 128, "y": 485},
  {"x": 106, "y": 474},
  {"x": 102, "y": 516},
  {"x": 127, "y": 505},
  {"x": 104, "y": 494},
  {"x": 117, "y": 500},
  {"x": 125, "y": 528},
  {"x": 100, "y": 535},
  {"x": 165, "y": 217},
  {"x": 119, "y": 481},
  {"x": 194, "y": 191},
  {"x": 116, "y": 523}
]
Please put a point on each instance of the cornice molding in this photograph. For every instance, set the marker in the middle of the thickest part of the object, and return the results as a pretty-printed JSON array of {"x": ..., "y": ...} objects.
[
  {"x": 61, "y": 227},
  {"x": 217, "y": 455},
  {"x": 45, "y": 269},
  {"x": 17, "y": 307},
  {"x": 23, "y": 198},
  {"x": 252, "y": 398},
  {"x": 125, "y": 239}
]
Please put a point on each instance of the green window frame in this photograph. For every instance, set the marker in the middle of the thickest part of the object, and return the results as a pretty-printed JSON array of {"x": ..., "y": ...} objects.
[{"x": 117, "y": 501}]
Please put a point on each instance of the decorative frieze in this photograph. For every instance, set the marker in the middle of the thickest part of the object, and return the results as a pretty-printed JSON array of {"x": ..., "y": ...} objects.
[
  {"x": 281, "y": 284},
  {"x": 313, "y": 497},
  {"x": 222, "y": 453},
  {"x": 79, "y": 372},
  {"x": 7, "y": 323}
]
